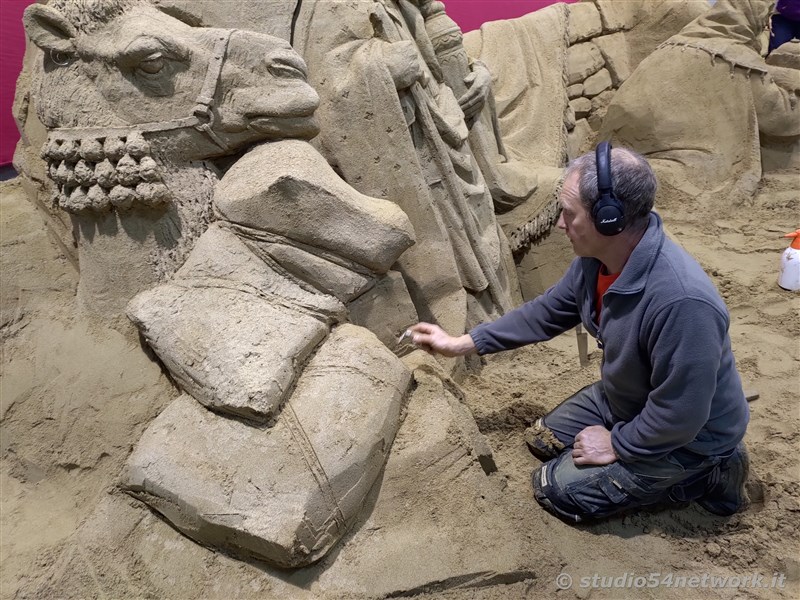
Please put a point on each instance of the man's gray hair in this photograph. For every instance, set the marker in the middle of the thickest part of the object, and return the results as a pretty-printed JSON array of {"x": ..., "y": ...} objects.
[{"x": 632, "y": 178}]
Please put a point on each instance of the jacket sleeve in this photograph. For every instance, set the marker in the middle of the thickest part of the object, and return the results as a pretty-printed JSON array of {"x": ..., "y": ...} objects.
[
  {"x": 685, "y": 344},
  {"x": 541, "y": 319}
]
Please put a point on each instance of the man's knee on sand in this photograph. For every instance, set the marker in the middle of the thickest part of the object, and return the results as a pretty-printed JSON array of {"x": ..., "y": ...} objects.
[
  {"x": 553, "y": 482},
  {"x": 579, "y": 493},
  {"x": 573, "y": 492}
]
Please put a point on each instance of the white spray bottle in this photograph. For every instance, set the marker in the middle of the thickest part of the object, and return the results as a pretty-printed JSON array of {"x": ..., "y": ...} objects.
[{"x": 790, "y": 264}]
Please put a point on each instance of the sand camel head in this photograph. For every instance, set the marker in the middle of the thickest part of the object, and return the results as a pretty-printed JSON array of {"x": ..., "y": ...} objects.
[
  {"x": 121, "y": 70},
  {"x": 148, "y": 67}
]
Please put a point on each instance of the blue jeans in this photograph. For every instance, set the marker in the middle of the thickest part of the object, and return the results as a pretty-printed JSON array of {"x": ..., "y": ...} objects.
[
  {"x": 782, "y": 31},
  {"x": 579, "y": 492}
]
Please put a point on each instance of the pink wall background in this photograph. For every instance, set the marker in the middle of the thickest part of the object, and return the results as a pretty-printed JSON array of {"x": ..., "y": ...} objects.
[
  {"x": 11, "y": 50},
  {"x": 469, "y": 14}
]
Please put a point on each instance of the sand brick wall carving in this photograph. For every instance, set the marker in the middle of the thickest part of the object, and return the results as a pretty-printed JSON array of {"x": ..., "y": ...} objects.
[
  {"x": 607, "y": 40},
  {"x": 598, "y": 62}
]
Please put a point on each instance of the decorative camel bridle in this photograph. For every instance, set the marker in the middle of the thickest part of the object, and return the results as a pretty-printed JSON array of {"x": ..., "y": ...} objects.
[
  {"x": 80, "y": 158},
  {"x": 202, "y": 118}
]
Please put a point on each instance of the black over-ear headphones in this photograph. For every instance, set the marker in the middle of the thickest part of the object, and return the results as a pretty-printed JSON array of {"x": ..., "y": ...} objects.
[{"x": 608, "y": 214}]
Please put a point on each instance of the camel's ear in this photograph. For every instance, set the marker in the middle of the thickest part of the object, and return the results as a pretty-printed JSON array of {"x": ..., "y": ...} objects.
[{"x": 48, "y": 29}]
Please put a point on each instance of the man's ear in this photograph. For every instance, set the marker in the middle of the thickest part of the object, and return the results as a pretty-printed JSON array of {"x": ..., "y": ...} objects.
[{"x": 48, "y": 29}]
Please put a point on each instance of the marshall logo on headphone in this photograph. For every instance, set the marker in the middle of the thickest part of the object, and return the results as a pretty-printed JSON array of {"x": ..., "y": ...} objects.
[{"x": 607, "y": 213}]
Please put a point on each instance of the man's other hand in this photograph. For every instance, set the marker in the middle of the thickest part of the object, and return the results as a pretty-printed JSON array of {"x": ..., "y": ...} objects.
[
  {"x": 435, "y": 340},
  {"x": 593, "y": 447}
]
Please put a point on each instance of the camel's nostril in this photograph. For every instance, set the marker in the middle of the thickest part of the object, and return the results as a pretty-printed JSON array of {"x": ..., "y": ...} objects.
[{"x": 284, "y": 71}]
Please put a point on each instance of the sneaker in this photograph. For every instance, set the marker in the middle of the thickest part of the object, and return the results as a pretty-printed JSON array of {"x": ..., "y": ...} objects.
[
  {"x": 727, "y": 494},
  {"x": 541, "y": 442}
]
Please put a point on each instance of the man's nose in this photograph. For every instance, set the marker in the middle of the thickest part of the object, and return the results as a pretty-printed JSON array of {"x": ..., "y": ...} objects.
[{"x": 561, "y": 224}]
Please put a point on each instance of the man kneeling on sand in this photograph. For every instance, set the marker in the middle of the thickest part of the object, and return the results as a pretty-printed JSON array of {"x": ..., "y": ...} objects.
[{"x": 665, "y": 422}]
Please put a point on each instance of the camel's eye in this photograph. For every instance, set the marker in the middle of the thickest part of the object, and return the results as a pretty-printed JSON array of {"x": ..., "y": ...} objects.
[{"x": 153, "y": 64}]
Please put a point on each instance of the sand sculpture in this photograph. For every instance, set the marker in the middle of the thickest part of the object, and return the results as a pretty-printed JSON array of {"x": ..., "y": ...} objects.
[
  {"x": 201, "y": 197},
  {"x": 535, "y": 116},
  {"x": 264, "y": 287},
  {"x": 395, "y": 71},
  {"x": 129, "y": 127},
  {"x": 250, "y": 261},
  {"x": 781, "y": 152},
  {"x": 387, "y": 37},
  {"x": 540, "y": 119},
  {"x": 699, "y": 105}
]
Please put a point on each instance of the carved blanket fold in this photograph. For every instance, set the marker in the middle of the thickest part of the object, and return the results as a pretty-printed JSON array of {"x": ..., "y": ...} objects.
[
  {"x": 696, "y": 107},
  {"x": 377, "y": 144},
  {"x": 528, "y": 61}
]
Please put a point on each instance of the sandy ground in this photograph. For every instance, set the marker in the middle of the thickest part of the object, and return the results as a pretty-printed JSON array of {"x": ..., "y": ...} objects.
[{"x": 75, "y": 398}]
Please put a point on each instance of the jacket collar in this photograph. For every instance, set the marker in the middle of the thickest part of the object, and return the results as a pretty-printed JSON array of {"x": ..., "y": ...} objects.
[{"x": 637, "y": 269}]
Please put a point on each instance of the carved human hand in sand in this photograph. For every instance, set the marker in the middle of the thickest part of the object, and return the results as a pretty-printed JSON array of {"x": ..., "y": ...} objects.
[
  {"x": 403, "y": 63},
  {"x": 593, "y": 447},
  {"x": 479, "y": 84},
  {"x": 435, "y": 340}
]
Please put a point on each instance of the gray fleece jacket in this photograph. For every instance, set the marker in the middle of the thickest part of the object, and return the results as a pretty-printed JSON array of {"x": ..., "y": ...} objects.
[{"x": 668, "y": 371}]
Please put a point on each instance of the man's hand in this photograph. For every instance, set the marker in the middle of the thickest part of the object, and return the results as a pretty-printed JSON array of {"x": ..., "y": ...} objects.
[
  {"x": 593, "y": 447},
  {"x": 435, "y": 340},
  {"x": 479, "y": 82},
  {"x": 402, "y": 60}
]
